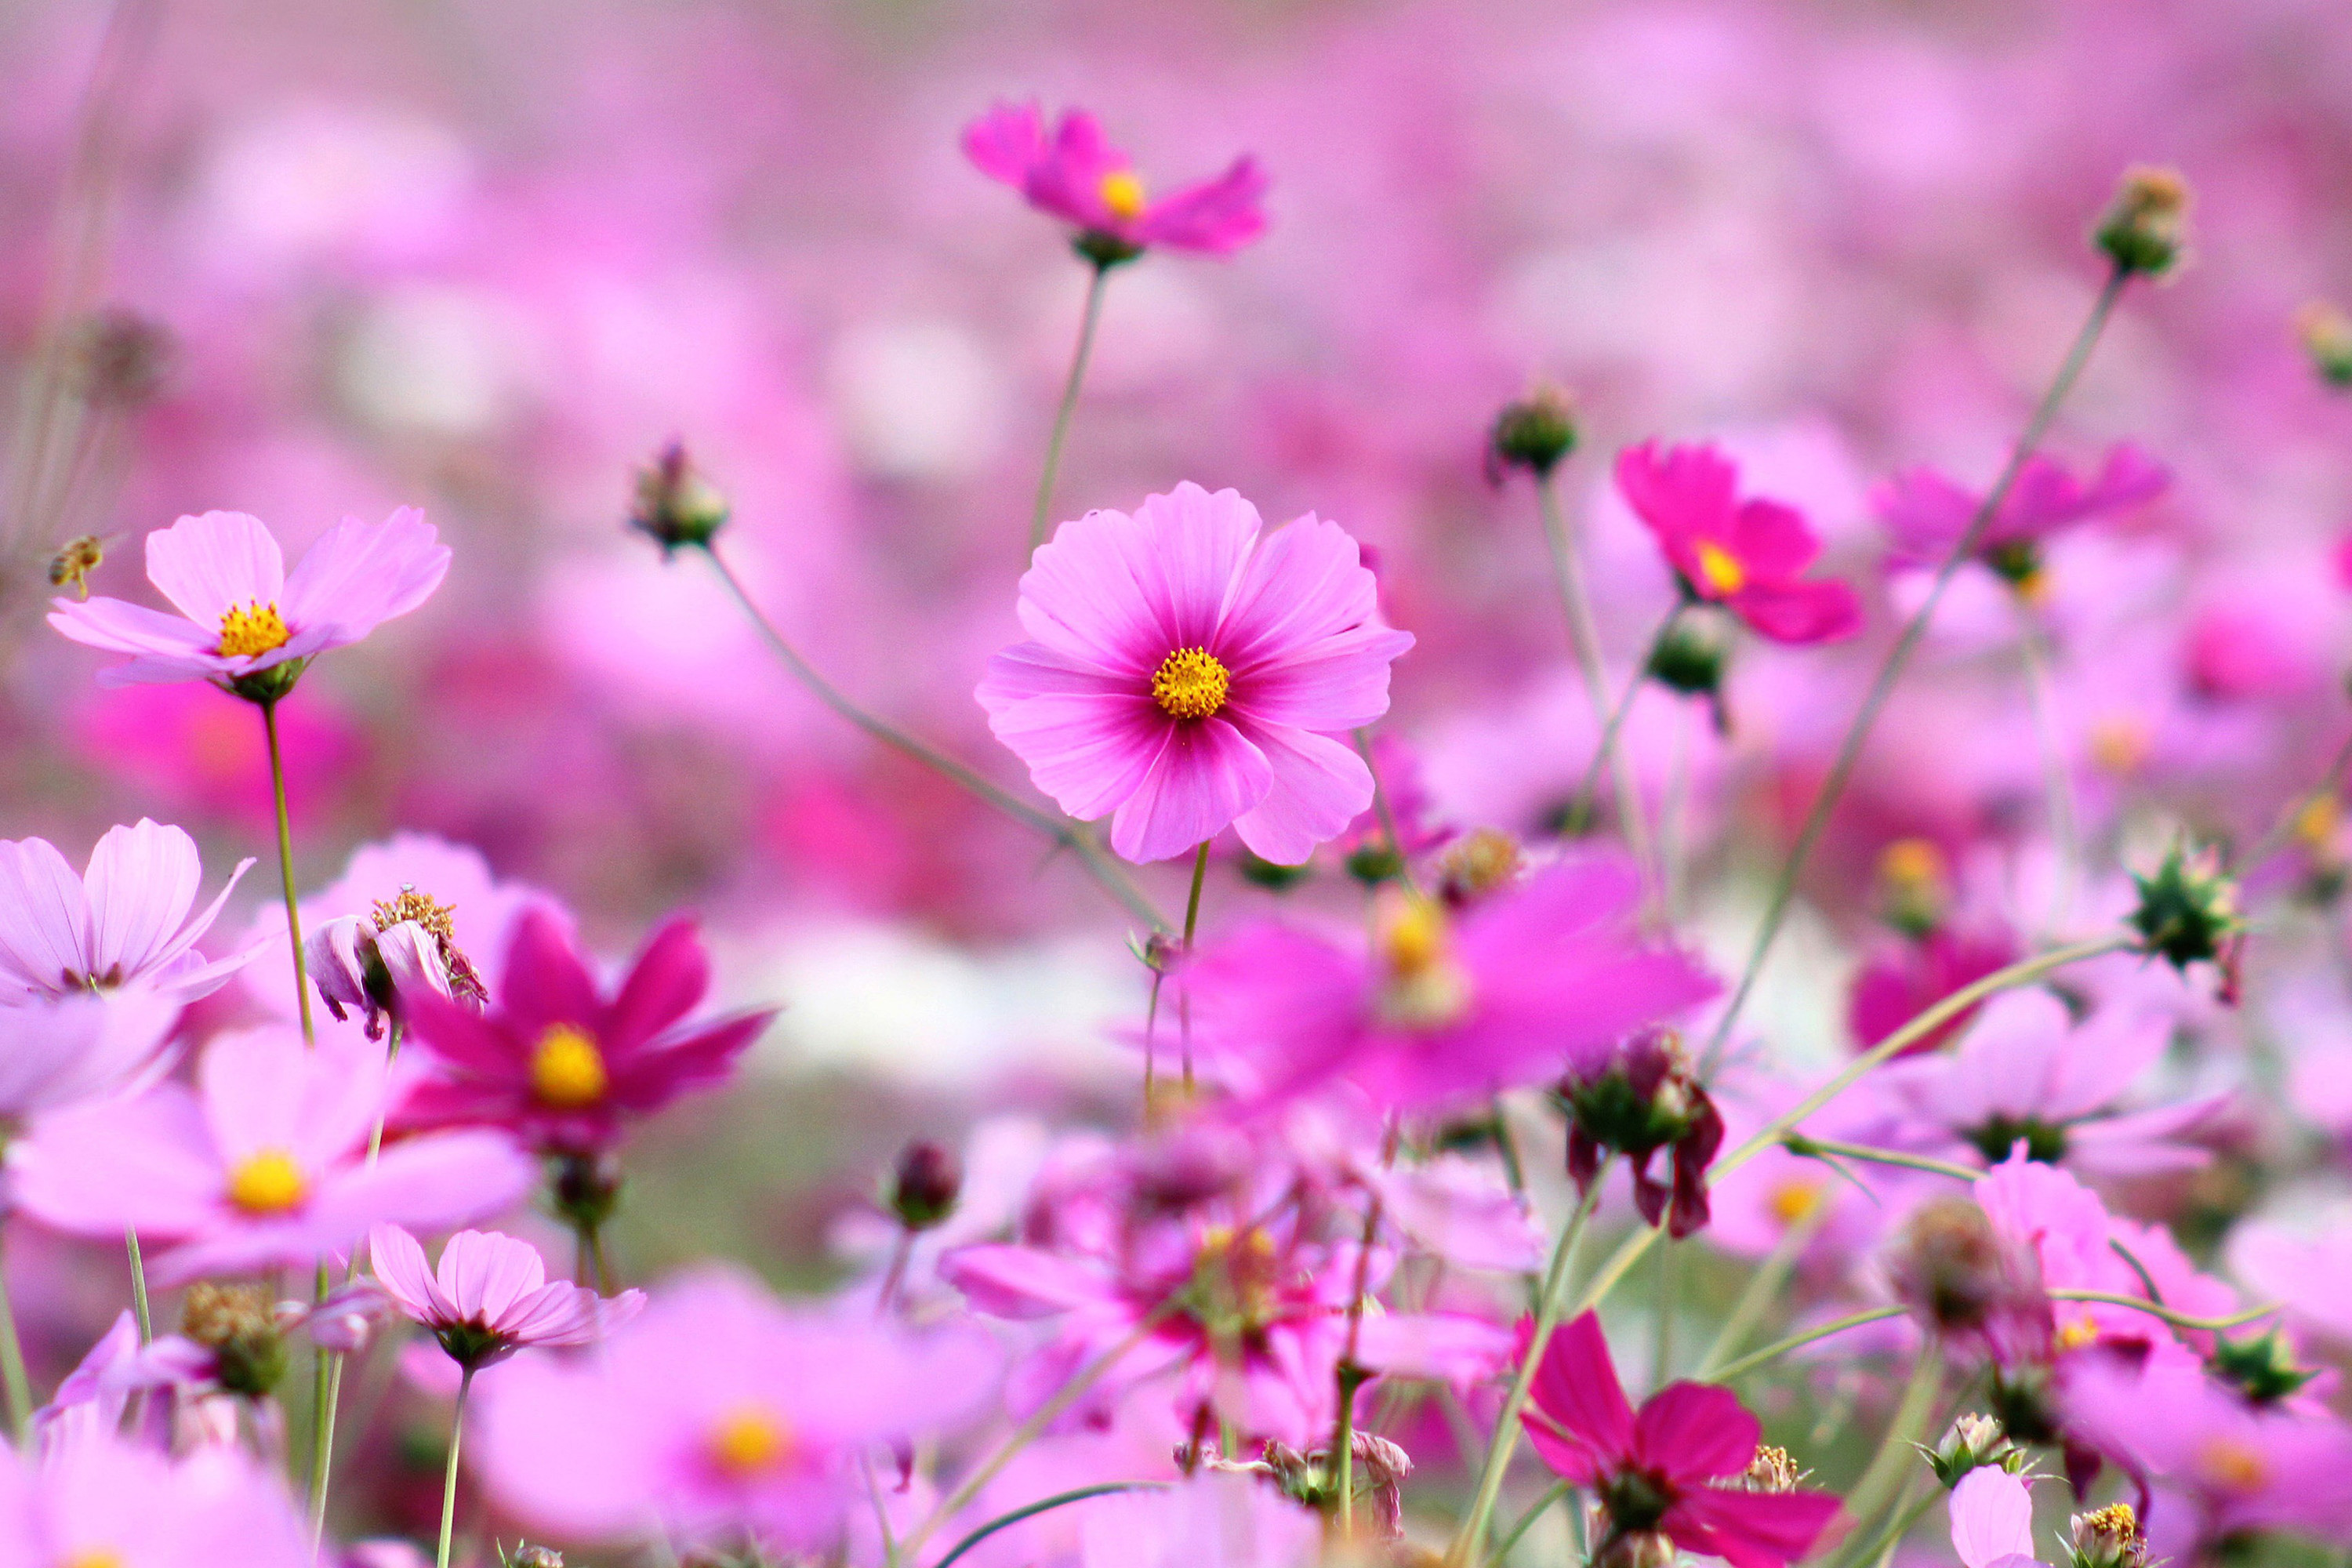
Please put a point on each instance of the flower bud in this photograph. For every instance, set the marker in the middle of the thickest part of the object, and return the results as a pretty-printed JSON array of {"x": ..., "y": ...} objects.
[
  {"x": 237, "y": 1324},
  {"x": 1637, "y": 1549},
  {"x": 1973, "y": 1441},
  {"x": 2188, "y": 909},
  {"x": 2326, "y": 335},
  {"x": 587, "y": 1189},
  {"x": 1645, "y": 1097},
  {"x": 2143, "y": 230},
  {"x": 676, "y": 508},
  {"x": 76, "y": 559},
  {"x": 526, "y": 1555},
  {"x": 2108, "y": 1538},
  {"x": 1534, "y": 433},
  {"x": 1951, "y": 1268},
  {"x": 2263, "y": 1368},
  {"x": 924, "y": 1185}
]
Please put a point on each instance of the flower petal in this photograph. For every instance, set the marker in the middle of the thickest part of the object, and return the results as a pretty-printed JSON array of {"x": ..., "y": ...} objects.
[
  {"x": 1318, "y": 786},
  {"x": 361, "y": 575},
  {"x": 206, "y": 565},
  {"x": 43, "y": 916},
  {"x": 141, "y": 883},
  {"x": 1205, "y": 775}
]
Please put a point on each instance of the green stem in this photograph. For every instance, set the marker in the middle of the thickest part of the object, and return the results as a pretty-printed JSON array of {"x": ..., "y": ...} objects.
[
  {"x": 1883, "y": 1479},
  {"x": 449, "y": 1475},
  {"x": 1382, "y": 811},
  {"x": 1184, "y": 992},
  {"x": 1506, "y": 1438},
  {"x": 1348, "y": 1377},
  {"x": 2177, "y": 1319},
  {"x": 1755, "y": 1359},
  {"x": 1059, "y": 1498},
  {"x": 326, "y": 1388},
  {"x": 285, "y": 864},
  {"x": 1763, "y": 1286},
  {"x": 1899, "y": 1525},
  {"x": 1580, "y": 811},
  {"x": 19, "y": 1387},
  {"x": 139, "y": 1285},
  {"x": 1069, "y": 406},
  {"x": 1552, "y": 1494},
  {"x": 1891, "y": 670},
  {"x": 1584, "y": 637},
  {"x": 1063, "y": 835},
  {"x": 1803, "y": 1147},
  {"x": 1664, "y": 1349},
  {"x": 391, "y": 1055}
]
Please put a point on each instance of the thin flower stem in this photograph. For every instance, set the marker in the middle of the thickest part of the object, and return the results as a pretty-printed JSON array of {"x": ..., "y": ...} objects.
[
  {"x": 2157, "y": 1310},
  {"x": 139, "y": 1285},
  {"x": 1663, "y": 1347},
  {"x": 1184, "y": 991},
  {"x": 449, "y": 1475},
  {"x": 1889, "y": 1469},
  {"x": 1898, "y": 657},
  {"x": 286, "y": 865},
  {"x": 1584, "y": 637},
  {"x": 1043, "y": 1505},
  {"x": 1797, "y": 1144},
  {"x": 1551, "y": 1494},
  {"x": 1069, "y": 406},
  {"x": 1383, "y": 810},
  {"x": 392, "y": 1032},
  {"x": 1506, "y": 1438},
  {"x": 1755, "y": 1359},
  {"x": 1580, "y": 811},
  {"x": 2065, "y": 829},
  {"x": 1065, "y": 835},
  {"x": 326, "y": 1389},
  {"x": 1763, "y": 1287},
  {"x": 18, "y": 1387},
  {"x": 1350, "y": 1377}
]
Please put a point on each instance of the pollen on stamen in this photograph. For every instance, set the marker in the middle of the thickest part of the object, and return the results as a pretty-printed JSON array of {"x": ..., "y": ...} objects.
[
  {"x": 1190, "y": 684},
  {"x": 1720, "y": 568},
  {"x": 1122, "y": 191},
  {"x": 250, "y": 630},
  {"x": 268, "y": 1182},
  {"x": 567, "y": 1070}
]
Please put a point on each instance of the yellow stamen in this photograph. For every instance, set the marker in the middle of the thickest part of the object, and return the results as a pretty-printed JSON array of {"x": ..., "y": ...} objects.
[
  {"x": 2076, "y": 1334},
  {"x": 1720, "y": 568},
  {"x": 1794, "y": 1199},
  {"x": 94, "y": 1557},
  {"x": 2233, "y": 1466},
  {"x": 269, "y": 1182},
  {"x": 1122, "y": 191},
  {"x": 567, "y": 1070},
  {"x": 1424, "y": 987},
  {"x": 1912, "y": 863},
  {"x": 750, "y": 1442},
  {"x": 251, "y": 629},
  {"x": 1190, "y": 684}
]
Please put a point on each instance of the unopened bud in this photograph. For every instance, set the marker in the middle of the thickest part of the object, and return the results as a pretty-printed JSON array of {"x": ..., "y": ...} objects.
[
  {"x": 1478, "y": 864},
  {"x": 2326, "y": 335},
  {"x": 2144, "y": 228},
  {"x": 1952, "y": 1269},
  {"x": 676, "y": 508},
  {"x": 1973, "y": 1441},
  {"x": 2108, "y": 1538},
  {"x": 76, "y": 559},
  {"x": 924, "y": 1185},
  {"x": 2188, "y": 909},
  {"x": 1534, "y": 433},
  {"x": 526, "y": 1555},
  {"x": 239, "y": 1323}
]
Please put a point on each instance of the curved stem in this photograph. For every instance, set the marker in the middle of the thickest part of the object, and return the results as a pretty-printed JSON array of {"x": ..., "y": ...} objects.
[
  {"x": 1890, "y": 671},
  {"x": 1063, "y": 835},
  {"x": 1078, "y": 1494},
  {"x": 285, "y": 864},
  {"x": 1580, "y": 810},
  {"x": 1762, "y": 1287},
  {"x": 1754, "y": 1359},
  {"x": 1797, "y": 1144},
  {"x": 2156, "y": 1310},
  {"x": 1584, "y": 637},
  {"x": 1552, "y": 1494},
  {"x": 450, "y": 1476},
  {"x": 1069, "y": 406}
]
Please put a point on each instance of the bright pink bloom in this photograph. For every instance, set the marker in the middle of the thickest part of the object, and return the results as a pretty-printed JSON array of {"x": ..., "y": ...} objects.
[
  {"x": 194, "y": 755},
  {"x": 124, "y": 920},
  {"x": 1746, "y": 555},
  {"x": 1185, "y": 673},
  {"x": 1904, "y": 981},
  {"x": 262, "y": 1163},
  {"x": 1926, "y": 513},
  {"x": 95, "y": 1499},
  {"x": 1543, "y": 978},
  {"x": 718, "y": 1418},
  {"x": 1659, "y": 1469},
  {"x": 1992, "y": 1520},
  {"x": 489, "y": 1296},
  {"x": 559, "y": 1063},
  {"x": 241, "y": 612},
  {"x": 1078, "y": 177},
  {"x": 60, "y": 1051}
]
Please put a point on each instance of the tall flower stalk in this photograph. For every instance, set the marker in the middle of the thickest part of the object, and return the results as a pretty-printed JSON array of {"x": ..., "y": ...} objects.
[{"x": 1069, "y": 404}]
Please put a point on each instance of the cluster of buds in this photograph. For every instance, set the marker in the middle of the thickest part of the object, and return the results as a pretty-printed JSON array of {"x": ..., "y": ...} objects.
[
  {"x": 2188, "y": 913},
  {"x": 676, "y": 508},
  {"x": 407, "y": 944},
  {"x": 2326, "y": 335},
  {"x": 1964, "y": 1282},
  {"x": 1647, "y": 1097},
  {"x": 2144, "y": 229},
  {"x": 924, "y": 1185},
  {"x": 1974, "y": 1442},
  {"x": 1536, "y": 433},
  {"x": 2108, "y": 1538}
]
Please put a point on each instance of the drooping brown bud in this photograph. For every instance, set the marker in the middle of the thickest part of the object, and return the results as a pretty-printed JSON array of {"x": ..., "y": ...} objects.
[{"x": 924, "y": 1185}]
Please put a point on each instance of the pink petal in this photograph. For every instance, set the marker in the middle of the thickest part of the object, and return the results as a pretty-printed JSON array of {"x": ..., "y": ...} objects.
[
  {"x": 1749, "y": 1530},
  {"x": 1304, "y": 584},
  {"x": 1031, "y": 670},
  {"x": 1337, "y": 684},
  {"x": 361, "y": 575},
  {"x": 1686, "y": 493},
  {"x": 1576, "y": 1388},
  {"x": 670, "y": 975},
  {"x": 436, "y": 1182},
  {"x": 1006, "y": 1282},
  {"x": 1801, "y": 613},
  {"x": 119, "y": 626},
  {"x": 1084, "y": 599},
  {"x": 1007, "y": 141},
  {"x": 43, "y": 916},
  {"x": 208, "y": 565},
  {"x": 140, "y": 882},
  {"x": 400, "y": 1267},
  {"x": 1216, "y": 217},
  {"x": 94, "y": 1170},
  {"x": 1205, "y": 775},
  {"x": 1090, "y": 755},
  {"x": 545, "y": 980},
  {"x": 1992, "y": 1516},
  {"x": 1319, "y": 785},
  {"x": 1772, "y": 540},
  {"x": 1695, "y": 1431},
  {"x": 1445, "y": 1346}
]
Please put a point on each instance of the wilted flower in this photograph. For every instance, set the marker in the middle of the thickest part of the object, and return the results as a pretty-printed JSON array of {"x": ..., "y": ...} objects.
[
  {"x": 1645, "y": 1097},
  {"x": 2108, "y": 1537},
  {"x": 1963, "y": 1279},
  {"x": 1078, "y": 177},
  {"x": 407, "y": 945}
]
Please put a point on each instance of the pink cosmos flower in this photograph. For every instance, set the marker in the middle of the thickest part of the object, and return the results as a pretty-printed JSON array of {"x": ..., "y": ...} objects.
[
  {"x": 1185, "y": 673},
  {"x": 97, "y": 1500},
  {"x": 261, "y": 1162},
  {"x": 241, "y": 613},
  {"x": 1660, "y": 1470},
  {"x": 1992, "y": 1520},
  {"x": 124, "y": 920},
  {"x": 60, "y": 1051},
  {"x": 1904, "y": 981},
  {"x": 1746, "y": 555},
  {"x": 559, "y": 1063},
  {"x": 1543, "y": 977},
  {"x": 1078, "y": 177},
  {"x": 490, "y": 1297},
  {"x": 1926, "y": 513}
]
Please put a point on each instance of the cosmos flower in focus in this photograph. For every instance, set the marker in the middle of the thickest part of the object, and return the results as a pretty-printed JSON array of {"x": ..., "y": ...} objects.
[
  {"x": 243, "y": 615},
  {"x": 123, "y": 922},
  {"x": 1748, "y": 556},
  {"x": 489, "y": 1296},
  {"x": 1076, "y": 174},
  {"x": 1186, "y": 672}
]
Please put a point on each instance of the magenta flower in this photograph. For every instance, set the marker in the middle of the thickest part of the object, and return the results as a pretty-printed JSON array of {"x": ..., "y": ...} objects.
[
  {"x": 262, "y": 1163},
  {"x": 1545, "y": 977},
  {"x": 1926, "y": 513},
  {"x": 1185, "y": 673},
  {"x": 1661, "y": 1470},
  {"x": 97, "y": 1500},
  {"x": 1078, "y": 177},
  {"x": 558, "y": 1063},
  {"x": 489, "y": 1296},
  {"x": 123, "y": 922},
  {"x": 1905, "y": 980},
  {"x": 1746, "y": 555},
  {"x": 1992, "y": 1520},
  {"x": 241, "y": 613}
]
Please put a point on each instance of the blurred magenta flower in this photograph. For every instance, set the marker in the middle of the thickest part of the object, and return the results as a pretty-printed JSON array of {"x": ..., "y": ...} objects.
[
  {"x": 1992, "y": 1520},
  {"x": 241, "y": 613},
  {"x": 1907, "y": 978},
  {"x": 186, "y": 751},
  {"x": 489, "y": 1296},
  {"x": 1078, "y": 177},
  {"x": 1660, "y": 1472},
  {"x": 96, "y": 1501},
  {"x": 1444, "y": 1009},
  {"x": 1186, "y": 672},
  {"x": 123, "y": 922},
  {"x": 261, "y": 1163},
  {"x": 1925, "y": 513},
  {"x": 556, "y": 1062},
  {"x": 1746, "y": 555}
]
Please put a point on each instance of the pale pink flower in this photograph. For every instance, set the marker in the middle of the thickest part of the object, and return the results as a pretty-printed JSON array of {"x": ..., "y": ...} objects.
[
  {"x": 1992, "y": 1520},
  {"x": 124, "y": 920},
  {"x": 489, "y": 1296}
]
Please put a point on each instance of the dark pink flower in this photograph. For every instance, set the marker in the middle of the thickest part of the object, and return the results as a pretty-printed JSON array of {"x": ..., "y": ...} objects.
[
  {"x": 1186, "y": 673},
  {"x": 124, "y": 920},
  {"x": 242, "y": 613},
  {"x": 557, "y": 1061},
  {"x": 490, "y": 1297},
  {"x": 1746, "y": 556},
  {"x": 1926, "y": 513},
  {"x": 1078, "y": 177},
  {"x": 1661, "y": 1469},
  {"x": 1906, "y": 980}
]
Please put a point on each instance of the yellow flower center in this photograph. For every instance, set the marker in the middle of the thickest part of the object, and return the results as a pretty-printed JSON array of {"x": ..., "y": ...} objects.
[
  {"x": 749, "y": 1443},
  {"x": 268, "y": 1182},
  {"x": 1122, "y": 191},
  {"x": 1794, "y": 1199},
  {"x": 2077, "y": 1333},
  {"x": 1422, "y": 987},
  {"x": 1719, "y": 568},
  {"x": 251, "y": 629},
  {"x": 2120, "y": 744},
  {"x": 2315, "y": 825},
  {"x": 2228, "y": 1464},
  {"x": 1190, "y": 684},
  {"x": 94, "y": 1557},
  {"x": 567, "y": 1070}
]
